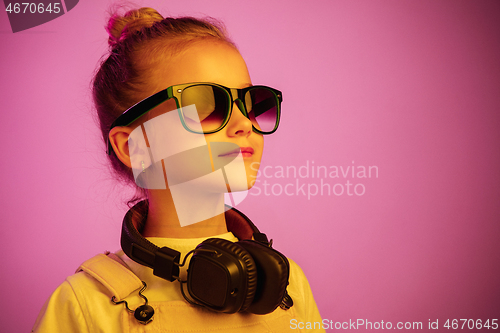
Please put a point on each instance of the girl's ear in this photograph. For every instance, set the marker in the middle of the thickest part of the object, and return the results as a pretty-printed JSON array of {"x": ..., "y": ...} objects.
[{"x": 118, "y": 137}]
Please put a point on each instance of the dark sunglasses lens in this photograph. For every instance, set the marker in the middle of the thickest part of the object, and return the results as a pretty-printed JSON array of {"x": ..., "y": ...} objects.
[
  {"x": 262, "y": 107},
  {"x": 211, "y": 107}
]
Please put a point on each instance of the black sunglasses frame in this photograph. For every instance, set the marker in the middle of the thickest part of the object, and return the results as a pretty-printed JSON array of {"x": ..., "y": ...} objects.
[{"x": 139, "y": 109}]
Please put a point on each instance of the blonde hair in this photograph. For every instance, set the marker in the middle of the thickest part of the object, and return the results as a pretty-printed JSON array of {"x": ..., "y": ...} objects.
[{"x": 138, "y": 39}]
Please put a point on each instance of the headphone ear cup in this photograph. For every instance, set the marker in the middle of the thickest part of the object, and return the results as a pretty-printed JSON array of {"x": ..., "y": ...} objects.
[
  {"x": 223, "y": 277},
  {"x": 273, "y": 271}
]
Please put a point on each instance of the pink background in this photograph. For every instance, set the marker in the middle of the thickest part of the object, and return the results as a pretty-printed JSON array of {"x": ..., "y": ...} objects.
[{"x": 411, "y": 87}]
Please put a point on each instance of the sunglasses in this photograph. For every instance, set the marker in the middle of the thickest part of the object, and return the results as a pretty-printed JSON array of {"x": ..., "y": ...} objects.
[{"x": 213, "y": 107}]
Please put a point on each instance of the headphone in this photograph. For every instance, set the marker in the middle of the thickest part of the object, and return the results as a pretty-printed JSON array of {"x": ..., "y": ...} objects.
[{"x": 245, "y": 276}]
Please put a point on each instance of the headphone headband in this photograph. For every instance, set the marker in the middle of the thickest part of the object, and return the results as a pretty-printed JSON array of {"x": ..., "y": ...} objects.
[{"x": 165, "y": 261}]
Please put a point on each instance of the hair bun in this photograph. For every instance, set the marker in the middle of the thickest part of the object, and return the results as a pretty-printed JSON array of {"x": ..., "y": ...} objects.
[{"x": 119, "y": 27}]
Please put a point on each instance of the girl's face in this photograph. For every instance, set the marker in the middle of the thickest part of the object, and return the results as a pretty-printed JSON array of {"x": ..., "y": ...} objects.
[{"x": 214, "y": 62}]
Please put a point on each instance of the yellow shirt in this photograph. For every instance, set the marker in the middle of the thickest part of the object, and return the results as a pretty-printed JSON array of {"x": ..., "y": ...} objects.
[{"x": 83, "y": 304}]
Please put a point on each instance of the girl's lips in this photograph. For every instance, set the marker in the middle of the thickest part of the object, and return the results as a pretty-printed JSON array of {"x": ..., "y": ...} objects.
[{"x": 245, "y": 152}]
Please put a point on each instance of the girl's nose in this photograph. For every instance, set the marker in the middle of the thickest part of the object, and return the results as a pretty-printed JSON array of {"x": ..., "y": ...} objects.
[{"x": 238, "y": 124}]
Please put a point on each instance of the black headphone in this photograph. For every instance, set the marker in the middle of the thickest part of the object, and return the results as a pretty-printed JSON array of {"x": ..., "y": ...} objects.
[{"x": 246, "y": 276}]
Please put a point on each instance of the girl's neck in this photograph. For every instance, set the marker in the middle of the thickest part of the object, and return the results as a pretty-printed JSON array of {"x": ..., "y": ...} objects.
[{"x": 187, "y": 215}]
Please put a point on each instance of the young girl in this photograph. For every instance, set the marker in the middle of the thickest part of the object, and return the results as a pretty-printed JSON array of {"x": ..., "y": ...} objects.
[{"x": 183, "y": 121}]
